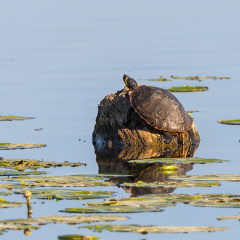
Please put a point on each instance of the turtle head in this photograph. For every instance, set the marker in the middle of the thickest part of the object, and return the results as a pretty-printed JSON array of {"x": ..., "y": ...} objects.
[{"x": 130, "y": 82}]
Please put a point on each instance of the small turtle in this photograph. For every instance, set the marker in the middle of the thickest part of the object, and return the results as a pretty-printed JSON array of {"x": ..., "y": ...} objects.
[{"x": 158, "y": 107}]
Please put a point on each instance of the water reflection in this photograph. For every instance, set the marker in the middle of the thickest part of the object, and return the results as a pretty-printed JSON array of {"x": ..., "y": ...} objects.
[{"x": 114, "y": 160}]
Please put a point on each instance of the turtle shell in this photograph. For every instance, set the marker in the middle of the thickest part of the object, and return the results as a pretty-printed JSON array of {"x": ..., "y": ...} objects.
[{"x": 160, "y": 108}]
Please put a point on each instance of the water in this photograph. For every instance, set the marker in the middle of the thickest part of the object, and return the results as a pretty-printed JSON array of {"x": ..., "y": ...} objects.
[{"x": 60, "y": 58}]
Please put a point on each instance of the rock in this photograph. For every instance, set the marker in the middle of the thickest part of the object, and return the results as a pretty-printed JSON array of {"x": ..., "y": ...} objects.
[{"x": 121, "y": 131}]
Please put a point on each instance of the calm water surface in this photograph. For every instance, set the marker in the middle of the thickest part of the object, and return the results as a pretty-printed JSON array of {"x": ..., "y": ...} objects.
[{"x": 60, "y": 58}]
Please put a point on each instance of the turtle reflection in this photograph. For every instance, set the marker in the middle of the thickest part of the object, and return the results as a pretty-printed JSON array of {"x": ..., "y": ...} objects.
[{"x": 114, "y": 160}]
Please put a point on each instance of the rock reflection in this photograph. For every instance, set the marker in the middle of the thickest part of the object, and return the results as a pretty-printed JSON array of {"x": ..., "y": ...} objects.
[{"x": 114, "y": 160}]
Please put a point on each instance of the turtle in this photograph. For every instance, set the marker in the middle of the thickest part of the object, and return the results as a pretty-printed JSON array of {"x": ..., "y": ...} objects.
[{"x": 158, "y": 107}]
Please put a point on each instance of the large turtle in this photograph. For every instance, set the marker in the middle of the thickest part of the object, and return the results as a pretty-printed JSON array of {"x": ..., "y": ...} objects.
[{"x": 158, "y": 107}]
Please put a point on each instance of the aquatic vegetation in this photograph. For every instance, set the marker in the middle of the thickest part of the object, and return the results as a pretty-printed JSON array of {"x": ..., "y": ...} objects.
[
  {"x": 59, "y": 194},
  {"x": 20, "y": 173},
  {"x": 177, "y": 160},
  {"x": 11, "y": 118},
  {"x": 230, "y": 122},
  {"x": 229, "y": 217},
  {"x": 77, "y": 219},
  {"x": 144, "y": 229},
  {"x": 77, "y": 237},
  {"x": 61, "y": 181},
  {"x": 198, "y": 78},
  {"x": 155, "y": 203},
  {"x": 113, "y": 209},
  {"x": 34, "y": 164},
  {"x": 187, "y": 89},
  {"x": 7, "y": 204},
  {"x": 11, "y": 146},
  {"x": 211, "y": 177},
  {"x": 172, "y": 184},
  {"x": 168, "y": 169},
  {"x": 160, "y": 79}
]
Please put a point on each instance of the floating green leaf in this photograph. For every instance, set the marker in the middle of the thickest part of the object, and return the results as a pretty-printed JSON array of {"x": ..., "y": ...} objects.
[
  {"x": 34, "y": 164},
  {"x": 59, "y": 194},
  {"x": 160, "y": 79},
  {"x": 6, "y": 204},
  {"x": 112, "y": 209},
  {"x": 230, "y": 122},
  {"x": 11, "y": 146},
  {"x": 77, "y": 219},
  {"x": 11, "y": 118},
  {"x": 144, "y": 229},
  {"x": 62, "y": 181},
  {"x": 177, "y": 160},
  {"x": 229, "y": 217},
  {"x": 187, "y": 89},
  {"x": 211, "y": 177},
  {"x": 77, "y": 237},
  {"x": 171, "y": 184},
  {"x": 154, "y": 202},
  {"x": 199, "y": 78},
  {"x": 17, "y": 227},
  {"x": 20, "y": 173},
  {"x": 168, "y": 169}
]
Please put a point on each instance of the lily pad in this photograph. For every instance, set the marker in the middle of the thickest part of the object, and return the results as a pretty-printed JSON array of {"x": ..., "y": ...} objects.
[
  {"x": 11, "y": 118},
  {"x": 168, "y": 169},
  {"x": 230, "y": 122},
  {"x": 59, "y": 194},
  {"x": 156, "y": 202},
  {"x": 178, "y": 160},
  {"x": 77, "y": 219},
  {"x": 212, "y": 177},
  {"x": 112, "y": 209},
  {"x": 6, "y": 204},
  {"x": 77, "y": 237},
  {"x": 160, "y": 79},
  {"x": 229, "y": 217},
  {"x": 34, "y": 164},
  {"x": 171, "y": 184},
  {"x": 144, "y": 229},
  {"x": 62, "y": 181},
  {"x": 20, "y": 173},
  {"x": 199, "y": 78},
  {"x": 17, "y": 227},
  {"x": 11, "y": 146},
  {"x": 187, "y": 89}
]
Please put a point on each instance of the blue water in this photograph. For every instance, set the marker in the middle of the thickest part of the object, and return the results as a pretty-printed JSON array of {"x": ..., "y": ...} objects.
[{"x": 58, "y": 59}]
